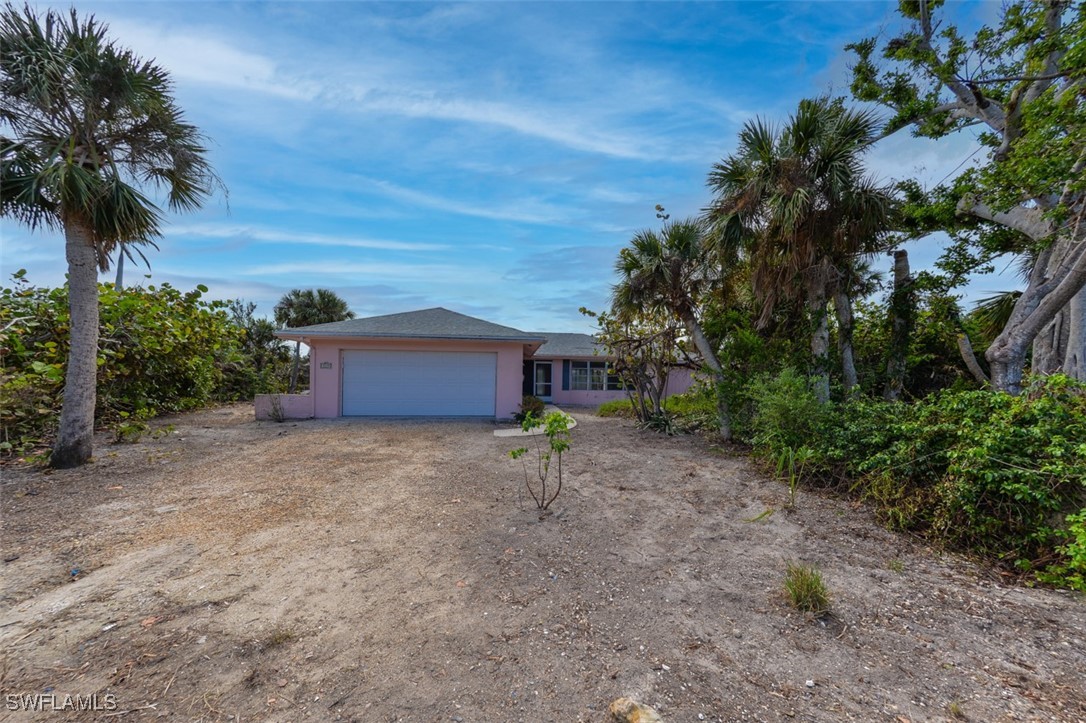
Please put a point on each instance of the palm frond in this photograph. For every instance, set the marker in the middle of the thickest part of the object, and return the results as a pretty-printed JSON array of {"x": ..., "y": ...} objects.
[
  {"x": 992, "y": 313},
  {"x": 95, "y": 130}
]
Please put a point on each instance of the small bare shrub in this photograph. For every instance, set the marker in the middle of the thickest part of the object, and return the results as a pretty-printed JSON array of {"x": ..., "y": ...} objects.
[{"x": 556, "y": 430}]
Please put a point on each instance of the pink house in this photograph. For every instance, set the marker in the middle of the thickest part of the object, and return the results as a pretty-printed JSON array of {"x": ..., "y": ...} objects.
[{"x": 438, "y": 363}]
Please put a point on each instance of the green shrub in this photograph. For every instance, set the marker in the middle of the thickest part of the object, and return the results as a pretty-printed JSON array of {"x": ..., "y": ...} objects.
[
  {"x": 693, "y": 410},
  {"x": 616, "y": 408},
  {"x": 786, "y": 412},
  {"x": 992, "y": 474},
  {"x": 1071, "y": 570},
  {"x": 530, "y": 405},
  {"x": 160, "y": 350},
  {"x": 1018, "y": 467},
  {"x": 989, "y": 473}
]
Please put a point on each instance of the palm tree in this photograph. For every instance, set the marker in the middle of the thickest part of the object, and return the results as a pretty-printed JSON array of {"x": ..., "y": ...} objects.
[
  {"x": 797, "y": 198},
  {"x": 302, "y": 307},
  {"x": 87, "y": 129},
  {"x": 671, "y": 271}
]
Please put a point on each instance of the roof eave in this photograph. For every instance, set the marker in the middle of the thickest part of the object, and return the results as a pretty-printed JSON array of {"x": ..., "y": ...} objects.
[{"x": 303, "y": 336}]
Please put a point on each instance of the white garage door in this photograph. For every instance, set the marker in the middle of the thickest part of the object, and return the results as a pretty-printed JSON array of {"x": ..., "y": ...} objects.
[{"x": 419, "y": 383}]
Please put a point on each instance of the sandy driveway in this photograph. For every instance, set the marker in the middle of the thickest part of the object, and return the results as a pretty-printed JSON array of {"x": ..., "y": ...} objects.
[{"x": 380, "y": 571}]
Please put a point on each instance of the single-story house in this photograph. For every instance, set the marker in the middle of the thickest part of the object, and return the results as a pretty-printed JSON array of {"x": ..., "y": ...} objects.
[{"x": 438, "y": 363}]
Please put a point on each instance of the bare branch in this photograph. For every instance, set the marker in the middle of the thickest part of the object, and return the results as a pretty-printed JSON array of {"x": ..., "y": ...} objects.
[{"x": 14, "y": 321}]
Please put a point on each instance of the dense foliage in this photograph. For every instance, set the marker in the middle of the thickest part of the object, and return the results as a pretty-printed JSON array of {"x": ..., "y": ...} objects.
[
  {"x": 995, "y": 475},
  {"x": 160, "y": 350}
]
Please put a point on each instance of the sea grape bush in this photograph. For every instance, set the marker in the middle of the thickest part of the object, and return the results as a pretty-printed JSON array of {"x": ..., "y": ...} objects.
[
  {"x": 160, "y": 350},
  {"x": 993, "y": 474}
]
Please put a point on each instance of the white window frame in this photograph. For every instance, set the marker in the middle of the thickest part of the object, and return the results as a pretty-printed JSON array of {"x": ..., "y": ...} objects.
[{"x": 591, "y": 376}]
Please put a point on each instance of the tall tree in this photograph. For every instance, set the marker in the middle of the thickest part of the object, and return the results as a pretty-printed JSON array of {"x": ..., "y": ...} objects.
[
  {"x": 303, "y": 307},
  {"x": 1023, "y": 84},
  {"x": 86, "y": 129},
  {"x": 797, "y": 198},
  {"x": 672, "y": 271}
]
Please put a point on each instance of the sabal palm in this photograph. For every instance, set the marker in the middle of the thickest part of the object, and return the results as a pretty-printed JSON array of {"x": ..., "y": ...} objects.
[
  {"x": 304, "y": 307},
  {"x": 671, "y": 271},
  {"x": 798, "y": 201},
  {"x": 86, "y": 130}
]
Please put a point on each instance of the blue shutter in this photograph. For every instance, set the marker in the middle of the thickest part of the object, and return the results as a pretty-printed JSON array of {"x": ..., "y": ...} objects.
[{"x": 565, "y": 375}]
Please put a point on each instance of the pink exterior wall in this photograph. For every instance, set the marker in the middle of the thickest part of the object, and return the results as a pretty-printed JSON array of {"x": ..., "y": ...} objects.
[
  {"x": 678, "y": 381},
  {"x": 326, "y": 375},
  {"x": 292, "y": 406}
]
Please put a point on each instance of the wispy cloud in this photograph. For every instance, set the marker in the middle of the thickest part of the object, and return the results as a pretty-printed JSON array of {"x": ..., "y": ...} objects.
[
  {"x": 527, "y": 210},
  {"x": 274, "y": 236},
  {"x": 429, "y": 273},
  {"x": 202, "y": 58},
  {"x": 538, "y": 123}
]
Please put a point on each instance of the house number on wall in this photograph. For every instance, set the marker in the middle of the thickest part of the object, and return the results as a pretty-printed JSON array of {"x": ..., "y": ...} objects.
[{"x": 326, "y": 365}]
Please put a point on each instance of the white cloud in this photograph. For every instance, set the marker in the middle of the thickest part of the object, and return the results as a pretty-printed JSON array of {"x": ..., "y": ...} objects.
[{"x": 198, "y": 57}]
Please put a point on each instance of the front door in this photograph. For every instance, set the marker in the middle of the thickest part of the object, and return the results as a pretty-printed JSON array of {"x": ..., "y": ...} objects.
[{"x": 542, "y": 377}]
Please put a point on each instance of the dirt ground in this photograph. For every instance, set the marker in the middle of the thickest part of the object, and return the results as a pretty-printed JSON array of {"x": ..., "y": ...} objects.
[{"x": 391, "y": 570}]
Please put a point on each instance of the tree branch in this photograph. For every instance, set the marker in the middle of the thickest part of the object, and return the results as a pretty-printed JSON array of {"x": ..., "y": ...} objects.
[
  {"x": 1028, "y": 221},
  {"x": 970, "y": 358},
  {"x": 1069, "y": 279},
  {"x": 992, "y": 114}
]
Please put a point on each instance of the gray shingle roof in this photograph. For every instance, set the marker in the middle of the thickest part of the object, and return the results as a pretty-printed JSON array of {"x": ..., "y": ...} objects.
[
  {"x": 568, "y": 345},
  {"x": 436, "y": 323}
]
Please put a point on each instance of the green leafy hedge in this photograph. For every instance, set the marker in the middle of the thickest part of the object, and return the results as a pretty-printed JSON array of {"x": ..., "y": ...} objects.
[
  {"x": 995, "y": 475},
  {"x": 160, "y": 350}
]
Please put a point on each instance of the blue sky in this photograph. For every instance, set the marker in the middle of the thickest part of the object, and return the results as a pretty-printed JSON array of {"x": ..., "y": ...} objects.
[{"x": 491, "y": 158}]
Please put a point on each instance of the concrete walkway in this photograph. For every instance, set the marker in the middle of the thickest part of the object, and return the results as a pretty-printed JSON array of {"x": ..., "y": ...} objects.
[{"x": 518, "y": 432}]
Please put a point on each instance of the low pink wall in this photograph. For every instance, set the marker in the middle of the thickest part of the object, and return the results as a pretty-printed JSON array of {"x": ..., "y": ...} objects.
[
  {"x": 581, "y": 397},
  {"x": 326, "y": 373},
  {"x": 291, "y": 406}
]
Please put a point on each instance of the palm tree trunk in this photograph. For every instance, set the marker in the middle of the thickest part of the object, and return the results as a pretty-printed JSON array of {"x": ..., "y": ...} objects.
[
  {"x": 820, "y": 345},
  {"x": 901, "y": 316},
  {"x": 75, "y": 436},
  {"x": 294, "y": 370},
  {"x": 701, "y": 343},
  {"x": 842, "y": 304}
]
